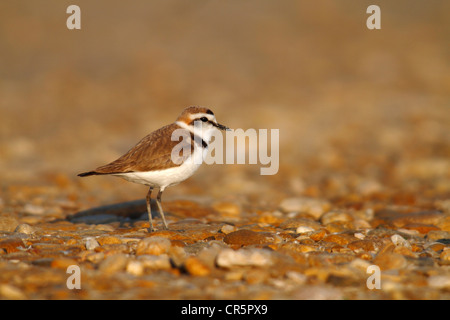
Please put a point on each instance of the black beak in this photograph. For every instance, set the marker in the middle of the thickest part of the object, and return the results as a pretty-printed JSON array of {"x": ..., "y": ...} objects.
[{"x": 220, "y": 126}]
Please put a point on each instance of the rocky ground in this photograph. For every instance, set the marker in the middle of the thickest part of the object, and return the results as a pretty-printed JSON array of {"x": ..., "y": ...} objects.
[{"x": 364, "y": 149}]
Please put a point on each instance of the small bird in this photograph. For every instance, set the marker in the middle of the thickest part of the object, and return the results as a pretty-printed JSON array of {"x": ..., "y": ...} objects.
[{"x": 159, "y": 162}]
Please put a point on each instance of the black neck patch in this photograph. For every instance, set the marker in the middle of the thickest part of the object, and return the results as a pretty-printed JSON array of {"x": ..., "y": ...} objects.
[{"x": 197, "y": 139}]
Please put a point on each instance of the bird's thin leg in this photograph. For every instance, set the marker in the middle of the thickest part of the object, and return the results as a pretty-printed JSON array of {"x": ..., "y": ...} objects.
[
  {"x": 161, "y": 212},
  {"x": 149, "y": 209}
]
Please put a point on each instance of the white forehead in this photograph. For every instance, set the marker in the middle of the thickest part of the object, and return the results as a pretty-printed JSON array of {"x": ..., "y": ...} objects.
[{"x": 200, "y": 115}]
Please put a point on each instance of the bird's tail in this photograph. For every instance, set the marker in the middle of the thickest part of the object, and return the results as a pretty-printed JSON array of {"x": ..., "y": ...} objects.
[{"x": 89, "y": 173}]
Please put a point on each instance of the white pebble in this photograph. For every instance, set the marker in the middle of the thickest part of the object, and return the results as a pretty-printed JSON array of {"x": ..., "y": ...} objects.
[
  {"x": 135, "y": 267},
  {"x": 229, "y": 258},
  {"x": 91, "y": 243},
  {"x": 439, "y": 281},
  {"x": 226, "y": 229},
  {"x": 304, "y": 229},
  {"x": 33, "y": 209},
  {"x": 359, "y": 235},
  {"x": 398, "y": 240}
]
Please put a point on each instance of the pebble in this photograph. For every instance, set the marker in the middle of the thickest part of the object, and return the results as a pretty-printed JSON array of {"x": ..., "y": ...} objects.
[
  {"x": 114, "y": 263},
  {"x": 341, "y": 239},
  {"x": 246, "y": 237},
  {"x": 227, "y": 209},
  {"x": 444, "y": 223},
  {"x": 445, "y": 255},
  {"x": 437, "y": 235},
  {"x": 227, "y": 228},
  {"x": 311, "y": 206},
  {"x": 153, "y": 246},
  {"x": 296, "y": 223},
  {"x": 389, "y": 261},
  {"x": 362, "y": 245},
  {"x": 108, "y": 240},
  {"x": 8, "y": 223},
  {"x": 155, "y": 262},
  {"x": 196, "y": 267},
  {"x": 25, "y": 228},
  {"x": 11, "y": 245},
  {"x": 439, "y": 281},
  {"x": 304, "y": 229},
  {"x": 135, "y": 268},
  {"x": 229, "y": 258},
  {"x": 91, "y": 243},
  {"x": 335, "y": 216},
  {"x": 318, "y": 235},
  {"x": 33, "y": 209},
  {"x": 400, "y": 241},
  {"x": 296, "y": 277},
  {"x": 10, "y": 292},
  {"x": 63, "y": 263},
  {"x": 398, "y": 219}
]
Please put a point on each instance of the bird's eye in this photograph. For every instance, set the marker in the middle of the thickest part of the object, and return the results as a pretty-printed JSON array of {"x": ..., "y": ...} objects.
[{"x": 204, "y": 119}]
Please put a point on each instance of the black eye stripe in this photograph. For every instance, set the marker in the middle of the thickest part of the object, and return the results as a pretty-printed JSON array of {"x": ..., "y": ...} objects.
[{"x": 203, "y": 119}]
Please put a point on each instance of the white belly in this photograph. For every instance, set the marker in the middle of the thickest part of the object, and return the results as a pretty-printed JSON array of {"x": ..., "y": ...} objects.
[{"x": 164, "y": 178}]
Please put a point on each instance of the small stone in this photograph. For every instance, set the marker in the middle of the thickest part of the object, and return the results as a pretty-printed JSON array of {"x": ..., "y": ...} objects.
[
  {"x": 226, "y": 229},
  {"x": 246, "y": 237},
  {"x": 33, "y": 209},
  {"x": 445, "y": 255},
  {"x": 399, "y": 219},
  {"x": 109, "y": 240},
  {"x": 300, "y": 222},
  {"x": 8, "y": 223},
  {"x": 436, "y": 246},
  {"x": 362, "y": 245},
  {"x": 335, "y": 216},
  {"x": 439, "y": 281},
  {"x": 256, "y": 276},
  {"x": 359, "y": 235},
  {"x": 11, "y": 245},
  {"x": 296, "y": 277},
  {"x": 304, "y": 229},
  {"x": 62, "y": 263},
  {"x": 25, "y": 228},
  {"x": 311, "y": 206},
  {"x": 405, "y": 251},
  {"x": 135, "y": 268},
  {"x": 153, "y": 246},
  {"x": 420, "y": 227},
  {"x": 177, "y": 255},
  {"x": 10, "y": 292},
  {"x": 196, "y": 267},
  {"x": 104, "y": 227},
  {"x": 389, "y": 261},
  {"x": 159, "y": 262},
  {"x": 340, "y": 239},
  {"x": 227, "y": 208},
  {"x": 398, "y": 240},
  {"x": 91, "y": 243},
  {"x": 229, "y": 258},
  {"x": 318, "y": 235},
  {"x": 113, "y": 263},
  {"x": 437, "y": 235},
  {"x": 444, "y": 224},
  {"x": 94, "y": 257}
]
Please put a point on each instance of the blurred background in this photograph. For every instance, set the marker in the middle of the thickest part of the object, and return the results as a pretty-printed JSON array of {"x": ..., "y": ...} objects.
[{"x": 362, "y": 113}]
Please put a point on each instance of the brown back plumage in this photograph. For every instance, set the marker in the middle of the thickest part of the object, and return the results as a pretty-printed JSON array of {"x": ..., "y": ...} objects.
[{"x": 153, "y": 152}]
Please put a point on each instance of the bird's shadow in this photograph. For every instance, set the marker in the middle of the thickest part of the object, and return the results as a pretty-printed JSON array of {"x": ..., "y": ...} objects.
[{"x": 119, "y": 212}]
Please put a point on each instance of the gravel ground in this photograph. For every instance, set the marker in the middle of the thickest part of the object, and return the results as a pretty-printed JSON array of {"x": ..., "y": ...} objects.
[{"x": 364, "y": 173}]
